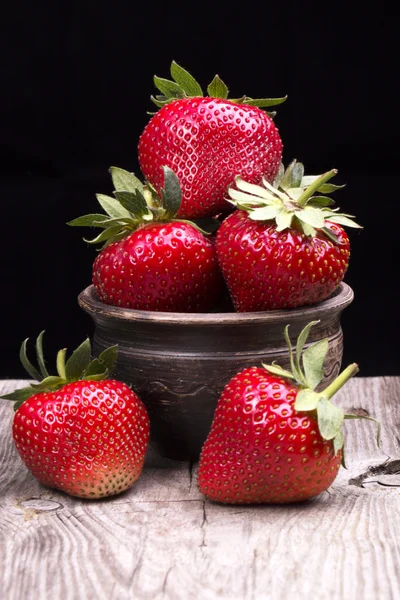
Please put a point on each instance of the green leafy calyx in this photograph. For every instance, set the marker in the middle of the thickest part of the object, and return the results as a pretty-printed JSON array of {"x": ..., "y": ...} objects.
[
  {"x": 293, "y": 200},
  {"x": 134, "y": 205},
  {"x": 183, "y": 85},
  {"x": 306, "y": 373},
  {"x": 79, "y": 366}
]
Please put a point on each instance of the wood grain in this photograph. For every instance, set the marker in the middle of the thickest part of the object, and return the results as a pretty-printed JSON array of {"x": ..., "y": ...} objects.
[{"x": 160, "y": 539}]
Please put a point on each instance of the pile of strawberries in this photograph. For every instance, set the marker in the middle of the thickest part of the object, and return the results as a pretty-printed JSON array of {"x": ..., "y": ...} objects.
[
  {"x": 216, "y": 164},
  {"x": 217, "y": 216}
]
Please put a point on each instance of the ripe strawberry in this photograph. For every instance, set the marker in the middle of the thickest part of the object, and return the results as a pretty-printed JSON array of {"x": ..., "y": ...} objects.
[
  {"x": 207, "y": 141},
  {"x": 80, "y": 432},
  {"x": 284, "y": 247},
  {"x": 273, "y": 438},
  {"x": 151, "y": 260}
]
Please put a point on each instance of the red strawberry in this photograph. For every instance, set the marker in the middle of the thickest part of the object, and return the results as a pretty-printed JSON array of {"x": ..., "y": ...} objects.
[
  {"x": 284, "y": 247},
  {"x": 80, "y": 432},
  {"x": 207, "y": 141},
  {"x": 151, "y": 260},
  {"x": 273, "y": 439}
]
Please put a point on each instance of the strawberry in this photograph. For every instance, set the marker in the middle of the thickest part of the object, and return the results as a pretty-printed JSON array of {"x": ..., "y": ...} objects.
[
  {"x": 80, "y": 432},
  {"x": 274, "y": 439},
  {"x": 207, "y": 141},
  {"x": 285, "y": 247},
  {"x": 150, "y": 259}
]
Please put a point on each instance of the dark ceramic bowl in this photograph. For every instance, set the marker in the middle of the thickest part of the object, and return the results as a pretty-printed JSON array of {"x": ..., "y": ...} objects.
[{"x": 179, "y": 363}]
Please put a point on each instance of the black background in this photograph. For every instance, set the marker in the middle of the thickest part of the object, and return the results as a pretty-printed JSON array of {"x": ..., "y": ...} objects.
[{"x": 76, "y": 84}]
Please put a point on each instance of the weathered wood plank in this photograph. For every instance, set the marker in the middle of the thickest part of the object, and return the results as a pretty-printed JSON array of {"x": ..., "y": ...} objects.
[{"x": 162, "y": 540}]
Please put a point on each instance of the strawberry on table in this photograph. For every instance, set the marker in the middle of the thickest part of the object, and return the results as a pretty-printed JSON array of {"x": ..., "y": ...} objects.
[
  {"x": 285, "y": 247},
  {"x": 151, "y": 260},
  {"x": 79, "y": 431},
  {"x": 207, "y": 141},
  {"x": 274, "y": 438}
]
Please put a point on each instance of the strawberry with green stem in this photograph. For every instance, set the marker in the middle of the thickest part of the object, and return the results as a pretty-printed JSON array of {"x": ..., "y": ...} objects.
[
  {"x": 274, "y": 437},
  {"x": 150, "y": 259},
  {"x": 207, "y": 140},
  {"x": 285, "y": 245},
  {"x": 79, "y": 431}
]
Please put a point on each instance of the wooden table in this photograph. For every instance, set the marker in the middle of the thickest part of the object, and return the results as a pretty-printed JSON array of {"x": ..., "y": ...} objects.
[{"x": 161, "y": 539}]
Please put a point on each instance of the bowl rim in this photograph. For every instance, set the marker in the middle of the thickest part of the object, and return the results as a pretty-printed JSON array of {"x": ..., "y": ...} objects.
[{"x": 90, "y": 302}]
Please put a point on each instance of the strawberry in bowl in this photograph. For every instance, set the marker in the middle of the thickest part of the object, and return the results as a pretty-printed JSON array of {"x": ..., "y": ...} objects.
[
  {"x": 207, "y": 140},
  {"x": 79, "y": 431},
  {"x": 285, "y": 246},
  {"x": 151, "y": 260}
]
